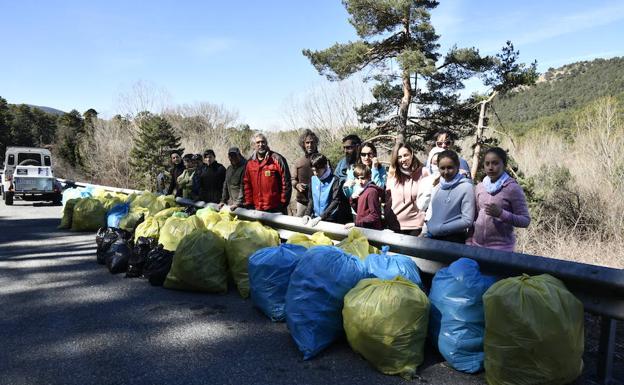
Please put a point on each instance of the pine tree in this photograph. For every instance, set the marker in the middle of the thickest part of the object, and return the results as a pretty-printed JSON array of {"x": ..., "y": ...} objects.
[
  {"x": 68, "y": 135},
  {"x": 5, "y": 127},
  {"x": 154, "y": 140},
  {"x": 422, "y": 96}
]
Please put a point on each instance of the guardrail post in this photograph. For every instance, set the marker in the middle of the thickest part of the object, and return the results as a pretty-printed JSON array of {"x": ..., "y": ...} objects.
[{"x": 606, "y": 350}]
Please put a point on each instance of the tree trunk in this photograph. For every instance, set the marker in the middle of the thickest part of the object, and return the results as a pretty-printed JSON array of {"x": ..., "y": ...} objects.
[
  {"x": 407, "y": 93},
  {"x": 479, "y": 136},
  {"x": 404, "y": 107}
]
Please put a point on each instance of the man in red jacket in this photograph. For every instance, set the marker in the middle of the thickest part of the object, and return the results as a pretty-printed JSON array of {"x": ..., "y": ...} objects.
[{"x": 267, "y": 183}]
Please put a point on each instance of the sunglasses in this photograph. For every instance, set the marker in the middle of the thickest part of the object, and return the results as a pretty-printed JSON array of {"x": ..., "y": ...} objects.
[
  {"x": 447, "y": 142},
  {"x": 367, "y": 154}
]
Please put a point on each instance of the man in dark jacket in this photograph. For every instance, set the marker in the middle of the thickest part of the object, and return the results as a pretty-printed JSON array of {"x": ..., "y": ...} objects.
[
  {"x": 267, "y": 183},
  {"x": 176, "y": 170},
  {"x": 302, "y": 172},
  {"x": 208, "y": 179},
  {"x": 233, "y": 194}
]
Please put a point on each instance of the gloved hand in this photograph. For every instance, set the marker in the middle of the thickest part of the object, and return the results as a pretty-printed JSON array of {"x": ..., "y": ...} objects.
[
  {"x": 305, "y": 219},
  {"x": 314, "y": 221}
]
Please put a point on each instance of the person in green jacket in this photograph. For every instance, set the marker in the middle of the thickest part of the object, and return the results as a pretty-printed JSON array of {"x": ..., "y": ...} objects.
[{"x": 185, "y": 180}]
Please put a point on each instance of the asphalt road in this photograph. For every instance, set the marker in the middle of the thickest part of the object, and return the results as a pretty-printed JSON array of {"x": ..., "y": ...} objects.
[{"x": 66, "y": 320}]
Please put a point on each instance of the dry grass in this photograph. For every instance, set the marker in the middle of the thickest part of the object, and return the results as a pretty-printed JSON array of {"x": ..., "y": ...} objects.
[{"x": 595, "y": 160}]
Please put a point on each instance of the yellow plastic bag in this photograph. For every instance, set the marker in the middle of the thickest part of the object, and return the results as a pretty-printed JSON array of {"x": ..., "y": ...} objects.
[
  {"x": 199, "y": 263},
  {"x": 357, "y": 244},
  {"x": 225, "y": 227},
  {"x": 143, "y": 200},
  {"x": 209, "y": 216},
  {"x": 317, "y": 239},
  {"x": 386, "y": 322},
  {"x": 534, "y": 332},
  {"x": 248, "y": 238},
  {"x": 177, "y": 228},
  {"x": 165, "y": 214},
  {"x": 89, "y": 215},
  {"x": 110, "y": 201},
  {"x": 68, "y": 213},
  {"x": 149, "y": 228},
  {"x": 130, "y": 221},
  {"x": 160, "y": 203},
  {"x": 227, "y": 215}
]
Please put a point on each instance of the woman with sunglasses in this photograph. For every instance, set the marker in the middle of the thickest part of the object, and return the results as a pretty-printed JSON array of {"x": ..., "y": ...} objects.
[
  {"x": 444, "y": 141},
  {"x": 367, "y": 156}
]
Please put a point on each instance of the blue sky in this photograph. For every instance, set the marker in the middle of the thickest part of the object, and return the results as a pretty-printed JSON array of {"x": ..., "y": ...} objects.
[{"x": 246, "y": 55}]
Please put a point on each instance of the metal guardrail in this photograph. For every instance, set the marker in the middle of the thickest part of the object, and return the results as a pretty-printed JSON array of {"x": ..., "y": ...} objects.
[{"x": 601, "y": 289}]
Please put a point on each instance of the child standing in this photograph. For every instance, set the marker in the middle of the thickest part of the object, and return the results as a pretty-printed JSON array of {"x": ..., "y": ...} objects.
[
  {"x": 500, "y": 205},
  {"x": 326, "y": 201},
  {"x": 366, "y": 203},
  {"x": 452, "y": 204}
]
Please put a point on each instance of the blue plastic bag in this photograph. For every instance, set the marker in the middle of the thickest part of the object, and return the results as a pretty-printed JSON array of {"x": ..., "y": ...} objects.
[
  {"x": 269, "y": 274},
  {"x": 387, "y": 267},
  {"x": 116, "y": 213},
  {"x": 457, "y": 319},
  {"x": 314, "y": 300}
]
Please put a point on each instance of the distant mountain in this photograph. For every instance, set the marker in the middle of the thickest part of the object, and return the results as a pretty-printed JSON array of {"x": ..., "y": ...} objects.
[
  {"x": 552, "y": 103},
  {"x": 49, "y": 110}
]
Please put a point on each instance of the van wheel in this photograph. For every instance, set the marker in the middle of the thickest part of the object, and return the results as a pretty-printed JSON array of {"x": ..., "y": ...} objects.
[{"x": 8, "y": 198}]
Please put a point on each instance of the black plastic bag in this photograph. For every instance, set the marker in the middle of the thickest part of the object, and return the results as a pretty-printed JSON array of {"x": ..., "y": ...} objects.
[
  {"x": 107, "y": 240},
  {"x": 157, "y": 265},
  {"x": 190, "y": 210},
  {"x": 99, "y": 236},
  {"x": 141, "y": 249},
  {"x": 117, "y": 256}
]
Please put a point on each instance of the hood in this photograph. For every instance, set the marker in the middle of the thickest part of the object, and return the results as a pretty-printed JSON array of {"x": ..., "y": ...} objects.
[
  {"x": 374, "y": 186},
  {"x": 459, "y": 179}
]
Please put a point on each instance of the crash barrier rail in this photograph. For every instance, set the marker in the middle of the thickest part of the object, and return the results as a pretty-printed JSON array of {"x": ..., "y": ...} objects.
[{"x": 601, "y": 289}]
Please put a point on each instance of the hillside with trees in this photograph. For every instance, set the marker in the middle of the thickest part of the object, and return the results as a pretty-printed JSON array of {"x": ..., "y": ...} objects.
[{"x": 554, "y": 102}]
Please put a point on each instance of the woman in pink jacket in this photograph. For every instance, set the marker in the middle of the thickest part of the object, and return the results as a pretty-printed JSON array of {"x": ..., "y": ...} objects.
[
  {"x": 401, "y": 211},
  {"x": 500, "y": 205}
]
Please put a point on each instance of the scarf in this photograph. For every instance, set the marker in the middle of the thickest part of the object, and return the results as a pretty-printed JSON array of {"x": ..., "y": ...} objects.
[
  {"x": 326, "y": 173},
  {"x": 407, "y": 172},
  {"x": 444, "y": 185},
  {"x": 493, "y": 188}
]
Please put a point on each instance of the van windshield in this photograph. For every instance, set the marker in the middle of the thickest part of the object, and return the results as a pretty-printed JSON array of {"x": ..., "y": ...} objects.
[{"x": 26, "y": 159}]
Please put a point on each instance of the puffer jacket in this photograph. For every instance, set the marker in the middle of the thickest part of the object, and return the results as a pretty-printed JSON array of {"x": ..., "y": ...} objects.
[{"x": 267, "y": 182}]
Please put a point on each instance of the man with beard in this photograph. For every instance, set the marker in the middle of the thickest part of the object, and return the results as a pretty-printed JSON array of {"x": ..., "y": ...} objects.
[
  {"x": 350, "y": 145},
  {"x": 209, "y": 178},
  {"x": 302, "y": 173},
  {"x": 267, "y": 183}
]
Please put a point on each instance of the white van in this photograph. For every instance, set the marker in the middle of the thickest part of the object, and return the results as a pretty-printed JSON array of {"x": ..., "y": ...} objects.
[{"x": 28, "y": 174}]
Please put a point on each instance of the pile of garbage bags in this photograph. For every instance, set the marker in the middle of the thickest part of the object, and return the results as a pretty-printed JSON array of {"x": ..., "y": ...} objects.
[{"x": 517, "y": 329}]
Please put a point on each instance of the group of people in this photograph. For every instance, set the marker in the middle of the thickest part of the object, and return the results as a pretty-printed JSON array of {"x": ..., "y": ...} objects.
[{"x": 437, "y": 199}]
